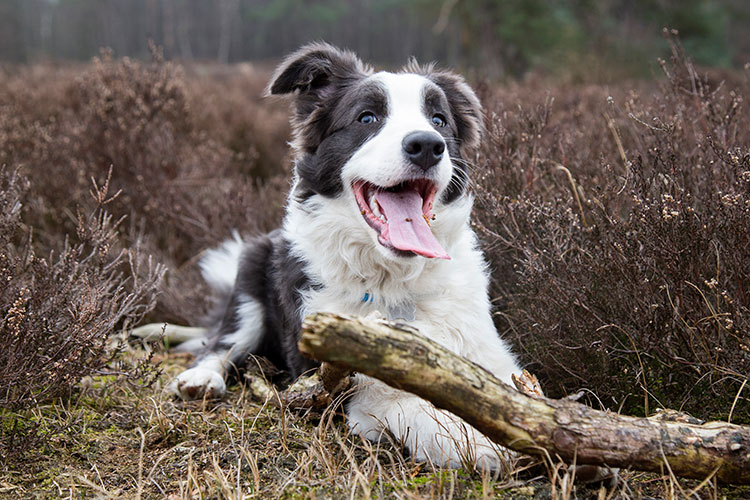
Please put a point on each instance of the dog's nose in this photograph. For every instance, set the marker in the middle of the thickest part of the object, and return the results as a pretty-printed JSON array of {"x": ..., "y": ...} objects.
[{"x": 424, "y": 149}]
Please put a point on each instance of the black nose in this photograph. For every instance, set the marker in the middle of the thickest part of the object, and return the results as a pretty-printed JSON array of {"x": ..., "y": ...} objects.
[{"x": 424, "y": 149}]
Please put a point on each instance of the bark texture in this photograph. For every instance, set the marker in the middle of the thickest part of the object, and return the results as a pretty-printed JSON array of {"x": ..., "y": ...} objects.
[
  {"x": 402, "y": 358},
  {"x": 316, "y": 391}
]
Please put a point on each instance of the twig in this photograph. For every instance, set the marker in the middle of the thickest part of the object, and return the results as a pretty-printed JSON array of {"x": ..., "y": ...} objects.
[
  {"x": 573, "y": 188},
  {"x": 734, "y": 403}
]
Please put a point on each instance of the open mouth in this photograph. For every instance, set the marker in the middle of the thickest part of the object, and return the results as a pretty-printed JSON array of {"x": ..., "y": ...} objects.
[{"x": 401, "y": 215}]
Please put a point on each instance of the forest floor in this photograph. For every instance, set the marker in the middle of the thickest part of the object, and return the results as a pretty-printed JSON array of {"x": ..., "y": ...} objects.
[{"x": 115, "y": 438}]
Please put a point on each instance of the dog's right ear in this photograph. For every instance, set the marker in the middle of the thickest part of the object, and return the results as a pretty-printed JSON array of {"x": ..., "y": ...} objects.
[
  {"x": 315, "y": 70},
  {"x": 314, "y": 73}
]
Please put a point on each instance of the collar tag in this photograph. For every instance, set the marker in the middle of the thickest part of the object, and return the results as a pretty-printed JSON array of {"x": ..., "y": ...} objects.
[{"x": 405, "y": 311}]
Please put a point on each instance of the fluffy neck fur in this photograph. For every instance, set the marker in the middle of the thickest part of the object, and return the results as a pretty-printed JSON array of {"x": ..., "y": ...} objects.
[{"x": 338, "y": 248}]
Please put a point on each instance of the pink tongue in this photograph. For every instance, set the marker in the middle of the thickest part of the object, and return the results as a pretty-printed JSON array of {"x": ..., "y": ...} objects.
[{"x": 407, "y": 228}]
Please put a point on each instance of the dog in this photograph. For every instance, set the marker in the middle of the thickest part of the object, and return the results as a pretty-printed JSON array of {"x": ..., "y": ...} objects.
[{"x": 377, "y": 219}]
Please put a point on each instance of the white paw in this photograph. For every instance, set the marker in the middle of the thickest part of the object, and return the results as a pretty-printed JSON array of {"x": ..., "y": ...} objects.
[{"x": 197, "y": 383}]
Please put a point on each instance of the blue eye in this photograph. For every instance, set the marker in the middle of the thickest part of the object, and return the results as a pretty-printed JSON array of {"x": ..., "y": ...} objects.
[
  {"x": 367, "y": 117},
  {"x": 438, "y": 120}
]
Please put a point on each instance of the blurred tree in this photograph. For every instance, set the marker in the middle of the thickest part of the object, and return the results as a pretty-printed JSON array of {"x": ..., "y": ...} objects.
[
  {"x": 228, "y": 12},
  {"x": 12, "y": 33},
  {"x": 703, "y": 27},
  {"x": 518, "y": 34},
  {"x": 499, "y": 37}
]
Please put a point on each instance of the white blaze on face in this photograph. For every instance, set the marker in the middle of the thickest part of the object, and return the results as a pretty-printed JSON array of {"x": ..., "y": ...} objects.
[
  {"x": 399, "y": 217},
  {"x": 380, "y": 161}
]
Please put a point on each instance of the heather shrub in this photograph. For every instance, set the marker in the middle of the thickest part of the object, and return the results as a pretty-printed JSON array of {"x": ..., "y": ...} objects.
[
  {"x": 192, "y": 159},
  {"x": 618, "y": 225},
  {"x": 59, "y": 313},
  {"x": 189, "y": 159}
]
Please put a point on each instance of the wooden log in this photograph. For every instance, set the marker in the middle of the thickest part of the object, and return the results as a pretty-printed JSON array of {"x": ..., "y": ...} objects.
[{"x": 401, "y": 357}]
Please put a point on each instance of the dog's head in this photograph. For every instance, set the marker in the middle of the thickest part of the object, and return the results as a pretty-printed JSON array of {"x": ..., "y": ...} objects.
[{"x": 392, "y": 145}]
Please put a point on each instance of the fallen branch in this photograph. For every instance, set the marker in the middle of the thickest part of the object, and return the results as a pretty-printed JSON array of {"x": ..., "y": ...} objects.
[
  {"x": 315, "y": 391},
  {"x": 401, "y": 357}
]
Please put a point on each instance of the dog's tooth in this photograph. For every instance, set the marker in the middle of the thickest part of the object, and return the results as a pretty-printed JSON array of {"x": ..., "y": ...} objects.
[{"x": 374, "y": 206}]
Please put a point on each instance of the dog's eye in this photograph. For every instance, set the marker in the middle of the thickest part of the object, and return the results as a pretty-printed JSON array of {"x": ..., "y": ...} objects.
[
  {"x": 438, "y": 120},
  {"x": 367, "y": 117}
]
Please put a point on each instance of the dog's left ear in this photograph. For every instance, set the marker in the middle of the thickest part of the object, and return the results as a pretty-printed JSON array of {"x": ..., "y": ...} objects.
[{"x": 465, "y": 108}]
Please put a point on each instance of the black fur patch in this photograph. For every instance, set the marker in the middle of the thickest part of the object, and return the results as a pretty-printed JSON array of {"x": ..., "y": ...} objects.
[
  {"x": 466, "y": 111},
  {"x": 436, "y": 101},
  {"x": 269, "y": 274},
  {"x": 341, "y": 135},
  {"x": 289, "y": 282},
  {"x": 464, "y": 119},
  {"x": 317, "y": 73}
]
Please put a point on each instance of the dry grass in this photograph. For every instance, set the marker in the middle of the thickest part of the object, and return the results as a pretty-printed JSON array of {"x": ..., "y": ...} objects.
[{"x": 124, "y": 441}]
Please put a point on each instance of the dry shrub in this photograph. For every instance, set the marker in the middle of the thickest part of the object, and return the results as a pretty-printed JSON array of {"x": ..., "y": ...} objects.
[
  {"x": 143, "y": 130},
  {"x": 195, "y": 158},
  {"x": 619, "y": 227},
  {"x": 229, "y": 104},
  {"x": 58, "y": 313}
]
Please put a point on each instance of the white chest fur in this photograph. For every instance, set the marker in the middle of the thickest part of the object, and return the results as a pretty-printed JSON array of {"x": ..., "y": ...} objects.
[{"x": 449, "y": 297}]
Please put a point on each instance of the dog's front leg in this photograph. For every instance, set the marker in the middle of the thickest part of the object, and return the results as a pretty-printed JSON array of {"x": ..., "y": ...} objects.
[{"x": 433, "y": 436}]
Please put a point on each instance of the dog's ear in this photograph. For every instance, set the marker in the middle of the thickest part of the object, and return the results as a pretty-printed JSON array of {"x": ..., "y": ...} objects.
[
  {"x": 465, "y": 108},
  {"x": 314, "y": 71}
]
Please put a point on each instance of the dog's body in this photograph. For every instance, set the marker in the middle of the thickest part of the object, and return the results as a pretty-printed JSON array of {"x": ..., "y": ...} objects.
[{"x": 377, "y": 220}]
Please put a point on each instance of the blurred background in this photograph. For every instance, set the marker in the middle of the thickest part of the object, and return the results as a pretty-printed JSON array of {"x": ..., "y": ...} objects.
[{"x": 498, "y": 39}]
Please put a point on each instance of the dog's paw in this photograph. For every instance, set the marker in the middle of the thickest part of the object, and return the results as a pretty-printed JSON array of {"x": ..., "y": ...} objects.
[
  {"x": 197, "y": 383},
  {"x": 443, "y": 440},
  {"x": 472, "y": 450}
]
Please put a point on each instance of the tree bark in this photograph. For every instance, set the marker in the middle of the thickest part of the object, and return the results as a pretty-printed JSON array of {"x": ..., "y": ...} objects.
[{"x": 401, "y": 357}]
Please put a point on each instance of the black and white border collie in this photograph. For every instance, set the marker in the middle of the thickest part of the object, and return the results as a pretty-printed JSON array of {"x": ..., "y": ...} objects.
[{"x": 377, "y": 220}]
